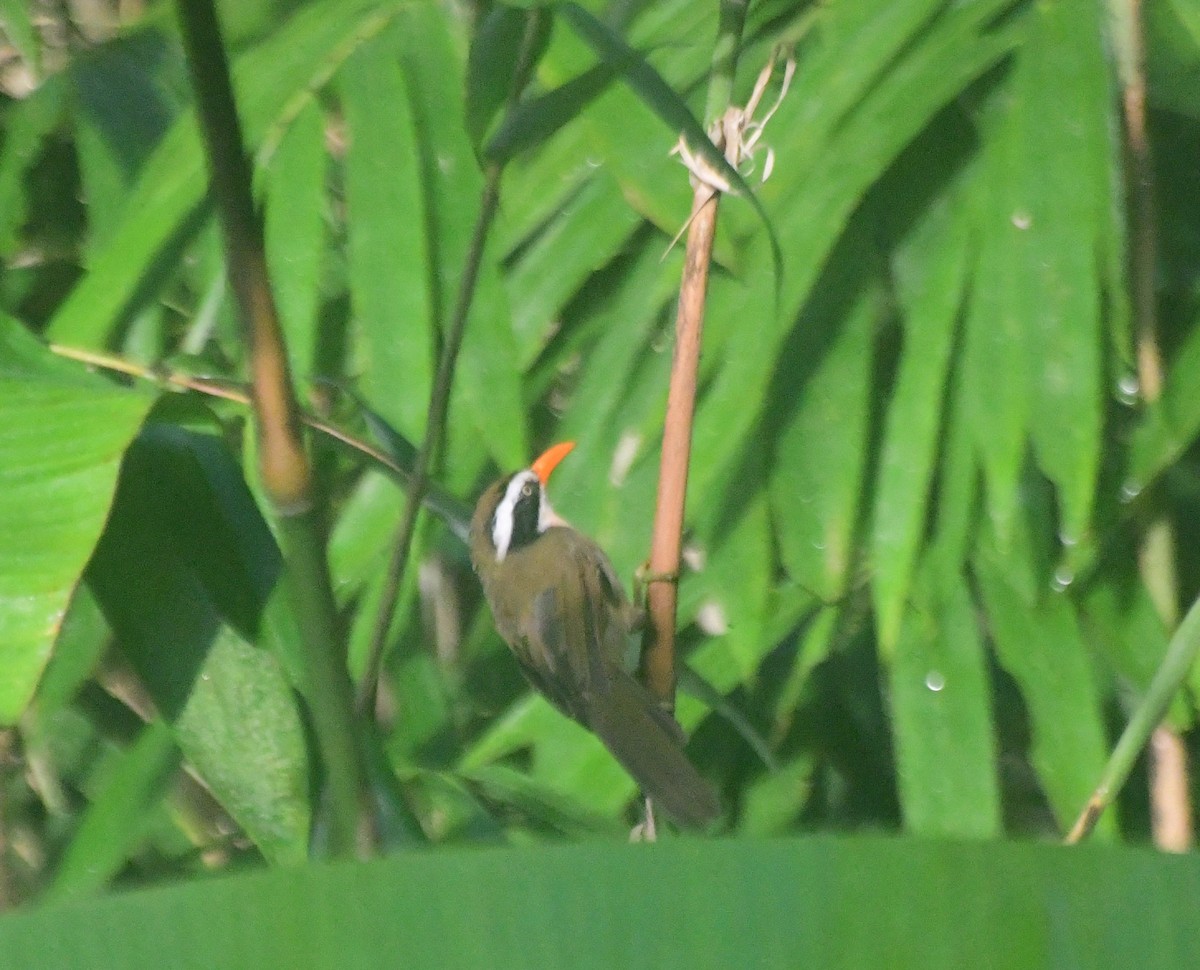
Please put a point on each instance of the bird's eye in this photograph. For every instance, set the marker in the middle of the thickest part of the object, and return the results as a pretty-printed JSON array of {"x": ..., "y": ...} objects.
[{"x": 527, "y": 491}]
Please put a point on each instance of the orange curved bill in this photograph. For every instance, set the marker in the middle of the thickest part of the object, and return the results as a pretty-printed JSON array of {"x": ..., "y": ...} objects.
[{"x": 548, "y": 460}]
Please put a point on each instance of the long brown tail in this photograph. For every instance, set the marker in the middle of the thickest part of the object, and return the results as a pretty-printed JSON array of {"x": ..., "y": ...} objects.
[{"x": 649, "y": 744}]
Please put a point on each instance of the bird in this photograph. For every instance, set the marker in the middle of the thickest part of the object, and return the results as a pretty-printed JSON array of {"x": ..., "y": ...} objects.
[{"x": 558, "y": 603}]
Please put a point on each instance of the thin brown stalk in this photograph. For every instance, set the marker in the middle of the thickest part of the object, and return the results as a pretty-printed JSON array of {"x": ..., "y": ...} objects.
[
  {"x": 1171, "y": 820},
  {"x": 662, "y": 593}
]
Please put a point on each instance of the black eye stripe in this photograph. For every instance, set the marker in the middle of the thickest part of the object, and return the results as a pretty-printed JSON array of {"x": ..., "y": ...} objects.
[{"x": 525, "y": 517}]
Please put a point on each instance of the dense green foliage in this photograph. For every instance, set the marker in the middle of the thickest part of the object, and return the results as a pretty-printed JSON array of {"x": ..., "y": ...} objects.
[{"x": 922, "y": 466}]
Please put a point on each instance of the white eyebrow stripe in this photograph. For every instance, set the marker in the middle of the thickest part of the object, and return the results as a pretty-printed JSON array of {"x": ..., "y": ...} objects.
[{"x": 502, "y": 521}]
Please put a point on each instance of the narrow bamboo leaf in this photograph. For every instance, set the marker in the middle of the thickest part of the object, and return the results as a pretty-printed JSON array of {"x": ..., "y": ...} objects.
[
  {"x": 1122, "y": 623},
  {"x": 588, "y": 232},
  {"x": 941, "y": 702},
  {"x": 628, "y": 319},
  {"x": 996, "y": 383},
  {"x": 996, "y": 905},
  {"x": 930, "y": 269},
  {"x": 27, "y": 124},
  {"x": 487, "y": 393},
  {"x": 567, "y": 758},
  {"x": 183, "y": 573},
  {"x": 269, "y": 79},
  {"x": 1063, "y": 117},
  {"x": 662, "y": 99},
  {"x": 503, "y": 786},
  {"x": 1170, "y": 426},
  {"x": 492, "y": 63},
  {"x": 732, "y": 592},
  {"x": 811, "y": 211},
  {"x": 536, "y": 119},
  {"x": 814, "y": 640},
  {"x": 388, "y": 248},
  {"x": 84, "y": 637},
  {"x": 61, "y": 442},
  {"x": 625, "y": 132},
  {"x": 115, "y": 820},
  {"x": 1039, "y": 644},
  {"x": 816, "y": 483},
  {"x": 113, "y": 142},
  {"x": 295, "y": 233}
]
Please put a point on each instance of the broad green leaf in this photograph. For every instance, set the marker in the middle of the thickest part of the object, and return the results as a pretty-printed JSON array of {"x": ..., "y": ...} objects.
[
  {"x": 941, "y": 704},
  {"x": 930, "y": 267},
  {"x": 183, "y": 573},
  {"x": 116, "y": 817},
  {"x": 61, "y": 441},
  {"x": 388, "y": 248},
  {"x": 1038, "y": 642},
  {"x": 295, "y": 233},
  {"x": 272, "y": 81},
  {"x": 719, "y": 904}
]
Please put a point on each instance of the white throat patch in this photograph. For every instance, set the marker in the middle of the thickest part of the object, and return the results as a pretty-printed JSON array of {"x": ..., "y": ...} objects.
[{"x": 502, "y": 528}]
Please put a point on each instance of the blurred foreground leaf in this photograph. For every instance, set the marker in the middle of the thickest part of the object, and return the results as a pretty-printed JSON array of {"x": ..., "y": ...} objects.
[{"x": 826, "y": 903}]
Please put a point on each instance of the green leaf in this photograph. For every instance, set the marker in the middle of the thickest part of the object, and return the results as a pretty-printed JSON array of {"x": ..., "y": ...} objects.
[
  {"x": 80, "y": 647},
  {"x": 487, "y": 394},
  {"x": 183, "y": 573},
  {"x": 869, "y": 122},
  {"x": 1061, "y": 124},
  {"x": 931, "y": 274},
  {"x": 729, "y": 595},
  {"x": 534, "y": 120},
  {"x": 589, "y": 230},
  {"x": 388, "y": 249},
  {"x": 941, "y": 702},
  {"x": 295, "y": 233},
  {"x": 61, "y": 441},
  {"x": 1167, "y": 428},
  {"x": 27, "y": 124},
  {"x": 816, "y": 484},
  {"x": 272, "y": 81},
  {"x": 658, "y": 95},
  {"x": 1034, "y": 340},
  {"x": 492, "y": 63},
  {"x": 1038, "y": 642},
  {"x": 116, "y": 817},
  {"x": 726, "y": 904}
]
